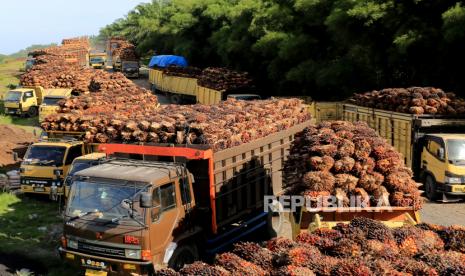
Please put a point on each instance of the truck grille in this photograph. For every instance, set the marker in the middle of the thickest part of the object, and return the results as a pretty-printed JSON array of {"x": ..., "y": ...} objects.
[{"x": 100, "y": 249}]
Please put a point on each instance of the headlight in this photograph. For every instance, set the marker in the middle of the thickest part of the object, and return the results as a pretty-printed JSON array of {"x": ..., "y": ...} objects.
[
  {"x": 132, "y": 253},
  {"x": 72, "y": 244},
  {"x": 452, "y": 178}
]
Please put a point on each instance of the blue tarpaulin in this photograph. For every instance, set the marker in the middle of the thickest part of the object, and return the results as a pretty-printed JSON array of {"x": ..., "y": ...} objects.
[{"x": 167, "y": 60}]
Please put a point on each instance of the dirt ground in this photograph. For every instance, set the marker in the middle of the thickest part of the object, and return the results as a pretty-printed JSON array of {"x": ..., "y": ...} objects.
[
  {"x": 13, "y": 139},
  {"x": 443, "y": 213}
]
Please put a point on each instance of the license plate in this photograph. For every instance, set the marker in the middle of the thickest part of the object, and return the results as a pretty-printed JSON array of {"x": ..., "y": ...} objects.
[
  {"x": 459, "y": 189},
  {"x": 91, "y": 272},
  {"x": 39, "y": 189},
  {"x": 11, "y": 112}
]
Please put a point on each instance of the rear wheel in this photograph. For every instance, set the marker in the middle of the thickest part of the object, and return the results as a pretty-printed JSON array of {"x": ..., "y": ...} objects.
[
  {"x": 430, "y": 188},
  {"x": 184, "y": 254},
  {"x": 176, "y": 99},
  {"x": 32, "y": 112}
]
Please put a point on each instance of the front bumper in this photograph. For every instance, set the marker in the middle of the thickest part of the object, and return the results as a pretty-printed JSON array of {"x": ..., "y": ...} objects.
[
  {"x": 40, "y": 186},
  {"x": 12, "y": 111},
  {"x": 454, "y": 189},
  {"x": 110, "y": 265}
]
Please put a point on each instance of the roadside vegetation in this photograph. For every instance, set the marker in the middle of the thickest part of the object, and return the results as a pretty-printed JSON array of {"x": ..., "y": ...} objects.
[
  {"x": 30, "y": 231},
  {"x": 320, "y": 48}
]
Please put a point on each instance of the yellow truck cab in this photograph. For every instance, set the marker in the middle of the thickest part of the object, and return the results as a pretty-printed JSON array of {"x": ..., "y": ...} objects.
[
  {"x": 45, "y": 165},
  {"x": 97, "y": 60},
  {"x": 50, "y": 103},
  {"x": 24, "y": 101},
  {"x": 81, "y": 163},
  {"x": 443, "y": 165}
]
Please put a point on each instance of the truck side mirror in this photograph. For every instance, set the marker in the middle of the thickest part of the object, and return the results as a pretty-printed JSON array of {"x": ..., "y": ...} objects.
[
  {"x": 15, "y": 156},
  {"x": 145, "y": 200},
  {"x": 441, "y": 153}
]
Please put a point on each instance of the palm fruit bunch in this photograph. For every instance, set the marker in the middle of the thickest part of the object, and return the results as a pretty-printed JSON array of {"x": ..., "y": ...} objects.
[
  {"x": 345, "y": 159},
  {"x": 413, "y": 100},
  {"x": 361, "y": 247}
]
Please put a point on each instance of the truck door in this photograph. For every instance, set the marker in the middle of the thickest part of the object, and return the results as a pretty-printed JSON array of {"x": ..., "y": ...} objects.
[
  {"x": 433, "y": 159},
  {"x": 164, "y": 218},
  {"x": 28, "y": 100},
  {"x": 73, "y": 153}
]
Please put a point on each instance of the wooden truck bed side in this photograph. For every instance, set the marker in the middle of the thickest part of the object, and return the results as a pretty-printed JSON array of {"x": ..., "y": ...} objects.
[
  {"x": 206, "y": 95},
  {"x": 179, "y": 85},
  {"x": 305, "y": 220},
  {"x": 323, "y": 111},
  {"x": 155, "y": 77}
]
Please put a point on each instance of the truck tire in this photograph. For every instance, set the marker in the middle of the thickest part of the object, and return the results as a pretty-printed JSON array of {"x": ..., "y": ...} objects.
[
  {"x": 430, "y": 188},
  {"x": 184, "y": 254},
  {"x": 176, "y": 99},
  {"x": 32, "y": 112}
]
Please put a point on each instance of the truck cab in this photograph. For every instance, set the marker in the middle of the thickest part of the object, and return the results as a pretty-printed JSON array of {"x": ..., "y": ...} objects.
[
  {"x": 130, "y": 217},
  {"x": 130, "y": 69},
  {"x": 82, "y": 163},
  {"x": 443, "y": 166},
  {"x": 97, "y": 61},
  {"x": 50, "y": 103},
  {"x": 23, "y": 101},
  {"x": 45, "y": 165}
]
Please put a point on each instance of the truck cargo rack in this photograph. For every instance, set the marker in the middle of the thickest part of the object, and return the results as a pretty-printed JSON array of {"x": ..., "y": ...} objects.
[{"x": 305, "y": 219}]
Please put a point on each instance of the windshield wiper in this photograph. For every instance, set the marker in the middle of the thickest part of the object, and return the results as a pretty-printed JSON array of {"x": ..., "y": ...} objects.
[{"x": 83, "y": 215}]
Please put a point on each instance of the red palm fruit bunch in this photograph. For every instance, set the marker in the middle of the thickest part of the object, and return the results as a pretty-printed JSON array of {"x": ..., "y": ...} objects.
[
  {"x": 254, "y": 253},
  {"x": 383, "y": 267},
  {"x": 323, "y": 265},
  {"x": 200, "y": 268},
  {"x": 414, "y": 267},
  {"x": 303, "y": 255},
  {"x": 453, "y": 236},
  {"x": 345, "y": 248},
  {"x": 373, "y": 229},
  {"x": 292, "y": 270},
  {"x": 444, "y": 262},
  {"x": 279, "y": 244},
  {"x": 326, "y": 159},
  {"x": 351, "y": 267},
  {"x": 412, "y": 240},
  {"x": 238, "y": 266},
  {"x": 385, "y": 250},
  {"x": 312, "y": 239}
]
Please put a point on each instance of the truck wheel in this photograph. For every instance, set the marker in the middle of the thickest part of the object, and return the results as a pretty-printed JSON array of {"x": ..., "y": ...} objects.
[
  {"x": 184, "y": 254},
  {"x": 176, "y": 99},
  {"x": 32, "y": 112},
  {"x": 430, "y": 188}
]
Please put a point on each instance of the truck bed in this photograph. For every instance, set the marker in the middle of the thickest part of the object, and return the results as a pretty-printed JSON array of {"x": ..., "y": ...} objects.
[
  {"x": 306, "y": 220},
  {"x": 402, "y": 130}
]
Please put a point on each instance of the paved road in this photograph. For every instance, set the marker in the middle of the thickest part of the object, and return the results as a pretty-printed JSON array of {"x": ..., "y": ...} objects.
[{"x": 443, "y": 213}]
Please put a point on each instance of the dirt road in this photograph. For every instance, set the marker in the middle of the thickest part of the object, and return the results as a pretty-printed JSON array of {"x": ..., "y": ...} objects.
[{"x": 443, "y": 213}]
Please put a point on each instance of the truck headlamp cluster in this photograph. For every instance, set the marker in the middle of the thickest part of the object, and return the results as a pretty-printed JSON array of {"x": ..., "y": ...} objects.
[
  {"x": 72, "y": 244},
  {"x": 451, "y": 178},
  {"x": 132, "y": 253}
]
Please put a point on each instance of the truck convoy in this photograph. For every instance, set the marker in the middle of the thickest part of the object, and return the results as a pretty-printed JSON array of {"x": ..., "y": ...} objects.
[
  {"x": 25, "y": 100},
  {"x": 50, "y": 102},
  {"x": 174, "y": 205},
  {"x": 433, "y": 145}
]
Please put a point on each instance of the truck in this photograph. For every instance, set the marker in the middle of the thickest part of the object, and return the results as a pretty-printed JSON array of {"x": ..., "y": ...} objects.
[
  {"x": 433, "y": 146},
  {"x": 47, "y": 162},
  {"x": 130, "y": 68},
  {"x": 50, "y": 102},
  {"x": 25, "y": 100},
  {"x": 169, "y": 205},
  {"x": 81, "y": 163},
  {"x": 97, "y": 60}
]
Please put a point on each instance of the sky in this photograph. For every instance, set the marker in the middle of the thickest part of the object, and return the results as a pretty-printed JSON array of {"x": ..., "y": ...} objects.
[{"x": 27, "y": 22}]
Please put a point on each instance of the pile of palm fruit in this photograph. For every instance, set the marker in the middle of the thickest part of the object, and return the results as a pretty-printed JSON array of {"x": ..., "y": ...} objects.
[
  {"x": 132, "y": 117},
  {"x": 361, "y": 247},
  {"x": 414, "y": 100},
  {"x": 180, "y": 71},
  {"x": 344, "y": 159},
  {"x": 223, "y": 79}
]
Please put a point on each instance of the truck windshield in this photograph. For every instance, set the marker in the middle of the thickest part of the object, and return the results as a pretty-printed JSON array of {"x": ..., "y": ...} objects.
[
  {"x": 45, "y": 156},
  {"x": 456, "y": 151},
  {"x": 96, "y": 60},
  {"x": 131, "y": 65},
  {"x": 107, "y": 200},
  {"x": 13, "y": 96},
  {"x": 51, "y": 100}
]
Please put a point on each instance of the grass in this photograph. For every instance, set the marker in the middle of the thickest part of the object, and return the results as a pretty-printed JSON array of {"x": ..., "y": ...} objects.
[
  {"x": 9, "y": 73},
  {"x": 28, "y": 124},
  {"x": 30, "y": 229}
]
